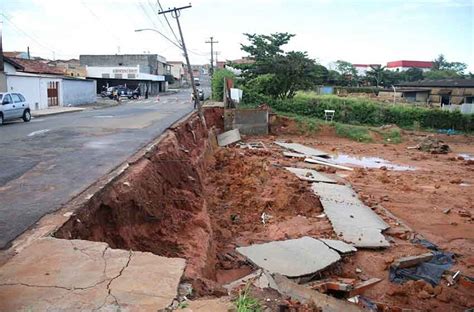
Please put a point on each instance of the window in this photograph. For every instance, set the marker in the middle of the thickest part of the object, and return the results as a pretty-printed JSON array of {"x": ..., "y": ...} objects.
[
  {"x": 7, "y": 99},
  {"x": 118, "y": 76},
  {"x": 131, "y": 76},
  {"x": 105, "y": 75},
  {"x": 16, "y": 98},
  {"x": 22, "y": 97}
]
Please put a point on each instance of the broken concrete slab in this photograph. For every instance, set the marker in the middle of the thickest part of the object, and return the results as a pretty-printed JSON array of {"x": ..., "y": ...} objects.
[
  {"x": 260, "y": 278},
  {"x": 310, "y": 175},
  {"x": 294, "y": 155},
  {"x": 325, "y": 163},
  {"x": 228, "y": 137},
  {"x": 301, "y": 149},
  {"x": 306, "y": 295},
  {"x": 293, "y": 257},
  {"x": 76, "y": 275},
  {"x": 351, "y": 219},
  {"x": 410, "y": 261},
  {"x": 339, "y": 246}
]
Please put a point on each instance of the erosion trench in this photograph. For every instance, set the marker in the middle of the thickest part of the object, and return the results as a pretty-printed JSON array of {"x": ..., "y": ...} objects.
[{"x": 189, "y": 198}]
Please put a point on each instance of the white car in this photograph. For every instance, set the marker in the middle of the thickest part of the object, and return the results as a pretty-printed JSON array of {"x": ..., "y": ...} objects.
[{"x": 14, "y": 106}]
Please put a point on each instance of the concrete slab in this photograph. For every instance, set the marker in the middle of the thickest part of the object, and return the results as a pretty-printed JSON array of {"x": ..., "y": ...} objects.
[
  {"x": 310, "y": 175},
  {"x": 301, "y": 149},
  {"x": 350, "y": 218},
  {"x": 294, "y": 155},
  {"x": 228, "y": 137},
  {"x": 339, "y": 246},
  {"x": 293, "y": 257},
  {"x": 74, "y": 275},
  {"x": 55, "y": 110}
]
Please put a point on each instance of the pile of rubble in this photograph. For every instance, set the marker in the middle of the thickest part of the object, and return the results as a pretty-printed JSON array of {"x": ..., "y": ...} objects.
[{"x": 432, "y": 145}]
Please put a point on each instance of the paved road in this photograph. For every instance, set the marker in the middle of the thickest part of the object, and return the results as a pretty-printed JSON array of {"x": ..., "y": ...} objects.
[{"x": 46, "y": 162}]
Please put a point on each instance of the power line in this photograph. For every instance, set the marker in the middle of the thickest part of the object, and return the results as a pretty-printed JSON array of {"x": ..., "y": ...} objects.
[
  {"x": 100, "y": 20},
  {"x": 166, "y": 18},
  {"x": 212, "y": 53}
]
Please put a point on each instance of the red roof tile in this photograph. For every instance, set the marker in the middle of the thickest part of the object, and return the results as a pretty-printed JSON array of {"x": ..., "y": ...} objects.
[
  {"x": 37, "y": 67},
  {"x": 417, "y": 64}
]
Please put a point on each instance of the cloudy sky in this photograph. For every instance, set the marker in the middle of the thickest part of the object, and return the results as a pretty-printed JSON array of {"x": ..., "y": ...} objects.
[{"x": 359, "y": 31}]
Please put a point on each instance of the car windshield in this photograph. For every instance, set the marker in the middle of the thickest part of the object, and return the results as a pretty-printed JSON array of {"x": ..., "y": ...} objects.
[{"x": 1, "y": 96}]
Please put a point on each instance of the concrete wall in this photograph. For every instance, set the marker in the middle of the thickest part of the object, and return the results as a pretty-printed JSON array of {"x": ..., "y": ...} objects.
[
  {"x": 248, "y": 121},
  {"x": 77, "y": 92},
  {"x": 32, "y": 88}
]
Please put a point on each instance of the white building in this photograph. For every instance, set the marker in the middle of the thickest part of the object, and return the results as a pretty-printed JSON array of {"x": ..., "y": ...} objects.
[
  {"x": 404, "y": 65},
  {"x": 46, "y": 90},
  {"x": 363, "y": 68}
]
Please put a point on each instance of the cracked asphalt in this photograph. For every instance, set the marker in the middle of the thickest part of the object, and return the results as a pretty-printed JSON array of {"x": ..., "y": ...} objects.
[{"x": 49, "y": 160}]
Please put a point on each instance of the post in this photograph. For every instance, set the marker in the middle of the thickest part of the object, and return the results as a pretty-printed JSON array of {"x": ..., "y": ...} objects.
[
  {"x": 176, "y": 12},
  {"x": 212, "y": 54}
]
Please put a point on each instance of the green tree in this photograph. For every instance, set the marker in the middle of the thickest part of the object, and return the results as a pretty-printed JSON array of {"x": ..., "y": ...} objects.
[
  {"x": 443, "y": 69},
  {"x": 348, "y": 73},
  {"x": 284, "y": 73},
  {"x": 442, "y": 74},
  {"x": 413, "y": 74},
  {"x": 376, "y": 74},
  {"x": 217, "y": 83}
]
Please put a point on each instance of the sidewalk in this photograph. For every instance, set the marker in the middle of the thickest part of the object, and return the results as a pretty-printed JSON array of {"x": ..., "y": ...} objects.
[{"x": 56, "y": 110}]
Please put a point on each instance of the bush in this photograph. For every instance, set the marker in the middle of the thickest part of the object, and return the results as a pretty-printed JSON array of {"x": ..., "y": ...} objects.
[
  {"x": 362, "y": 111},
  {"x": 368, "y": 90},
  {"x": 217, "y": 83},
  {"x": 356, "y": 133}
]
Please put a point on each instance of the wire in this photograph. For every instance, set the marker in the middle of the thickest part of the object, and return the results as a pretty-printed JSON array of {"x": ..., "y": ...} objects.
[
  {"x": 100, "y": 20},
  {"x": 167, "y": 21}
]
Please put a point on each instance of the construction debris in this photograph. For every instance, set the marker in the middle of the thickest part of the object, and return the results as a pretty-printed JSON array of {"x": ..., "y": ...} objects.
[
  {"x": 301, "y": 149},
  {"x": 228, "y": 137},
  {"x": 432, "y": 145},
  {"x": 253, "y": 145},
  {"x": 294, "y": 155},
  {"x": 325, "y": 163},
  {"x": 410, "y": 261},
  {"x": 293, "y": 257},
  {"x": 346, "y": 287},
  {"x": 350, "y": 218},
  {"x": 310, "y": 175}
]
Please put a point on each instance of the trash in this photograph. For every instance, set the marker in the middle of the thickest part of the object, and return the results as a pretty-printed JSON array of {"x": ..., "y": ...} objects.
[
  {"x": 293, "y": 257},
  {"x": 299, "y": 148},
  {"x": 447, "y": 210},
  {"x": 253, "y": 145},
  {"x": 429, "y": 271},
  {"x": 358, "y": 270},
  {"x": 431, "y": 145},
  {"x": 310, "y": 175},
  {"x": 228, "y": 137},
  {"x": 452, "y": 279},
  {"x": 265, "y": 217}
]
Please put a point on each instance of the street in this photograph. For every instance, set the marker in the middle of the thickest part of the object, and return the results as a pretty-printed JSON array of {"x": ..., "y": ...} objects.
[{"x": 51, "y": 159}]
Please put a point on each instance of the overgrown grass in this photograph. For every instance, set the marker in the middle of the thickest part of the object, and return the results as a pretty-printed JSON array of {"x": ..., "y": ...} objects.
[
  {"x": 246, "y": 303},
  {"x": 356, "y": 133}
]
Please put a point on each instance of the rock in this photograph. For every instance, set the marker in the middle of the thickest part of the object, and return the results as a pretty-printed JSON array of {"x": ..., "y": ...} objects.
[
  {"x": 456, "y": 181},
  {"x": 447, "y": 210},
  {"x": 358, "y": 270},
  {"x": 423, "y": 294}
]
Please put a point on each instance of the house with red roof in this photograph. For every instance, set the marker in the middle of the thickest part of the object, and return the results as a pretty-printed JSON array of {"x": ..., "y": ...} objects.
[{"x": 404, "y": 65}]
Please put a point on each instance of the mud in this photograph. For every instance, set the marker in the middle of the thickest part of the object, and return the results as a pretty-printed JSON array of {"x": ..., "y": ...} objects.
[{"x": 188, "y": 198}]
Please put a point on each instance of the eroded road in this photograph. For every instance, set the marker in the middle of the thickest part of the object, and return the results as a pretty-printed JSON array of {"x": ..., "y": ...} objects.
[{"x": 48, "y": 161}]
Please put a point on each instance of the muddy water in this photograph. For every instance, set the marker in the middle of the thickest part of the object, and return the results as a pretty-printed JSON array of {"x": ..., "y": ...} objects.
[{"x": 370, "y": 162}]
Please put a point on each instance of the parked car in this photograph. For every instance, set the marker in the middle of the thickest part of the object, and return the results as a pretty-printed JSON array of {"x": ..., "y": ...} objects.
[
  {"x": 122, "y": 92},
  {"x": 201, "y": 94},
  {"x": 14, "y": 106},
  {"x": 197, "y": 82}
]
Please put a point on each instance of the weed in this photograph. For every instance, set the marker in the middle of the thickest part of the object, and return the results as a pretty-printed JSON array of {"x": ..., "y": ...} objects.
[
  {"x": 246, "y": 303},
  {"x": 356, "y": 133},
  {"x": 392, "y": 136}
]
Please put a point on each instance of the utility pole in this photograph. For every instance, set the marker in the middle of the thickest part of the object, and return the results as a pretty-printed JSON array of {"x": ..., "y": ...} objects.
[
  {"x": 175, "y": 13},
  {"x": 217, "y": 54},
  {"x": 212, "y": 53}
]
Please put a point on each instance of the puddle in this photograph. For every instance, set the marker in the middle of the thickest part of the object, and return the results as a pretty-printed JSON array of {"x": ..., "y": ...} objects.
[
  {"x": 369, "y": 162},
  {"x": 466, "y": 156}
]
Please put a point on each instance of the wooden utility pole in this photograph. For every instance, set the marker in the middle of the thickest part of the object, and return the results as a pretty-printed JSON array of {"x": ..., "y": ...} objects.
[
  {"x": 175, "y": 13},
  {"x": 212, "y": 53}
]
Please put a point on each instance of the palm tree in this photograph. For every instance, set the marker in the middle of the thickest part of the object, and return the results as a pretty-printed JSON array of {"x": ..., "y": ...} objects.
[{"x": 376, "y": 73}]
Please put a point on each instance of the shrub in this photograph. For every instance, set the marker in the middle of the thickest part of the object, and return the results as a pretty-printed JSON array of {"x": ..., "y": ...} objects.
[
  {"x": 217, "y": 83},
  {"x": 356, "y": 133},
  {"x": 362, "y": 111}
]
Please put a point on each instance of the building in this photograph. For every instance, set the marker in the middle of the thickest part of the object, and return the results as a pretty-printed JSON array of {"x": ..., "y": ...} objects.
[
  {"x": 446, "y": 93},
  {"x": 363, "y": 68},
  {"x": 44, "y": 86},
  {"x": 70, "y": 67},
  {"x": 149, "y": 71},
  {"x": 404, "y": 65},
  {"x": 178, "y": 71}
]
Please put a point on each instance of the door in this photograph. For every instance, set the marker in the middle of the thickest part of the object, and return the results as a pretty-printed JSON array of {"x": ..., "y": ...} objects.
[
  {"x": 8, "y": 107},
  {"x": 53, "y": 93},
  {"x": 19, "y": 105}
]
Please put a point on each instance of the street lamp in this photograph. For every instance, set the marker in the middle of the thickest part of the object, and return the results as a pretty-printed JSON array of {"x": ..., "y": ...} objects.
[{"x": 157, "y": 31}]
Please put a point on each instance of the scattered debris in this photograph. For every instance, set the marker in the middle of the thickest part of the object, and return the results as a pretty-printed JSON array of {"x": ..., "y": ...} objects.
[
  {"x": 410, "y": 261},
  {"x": 432, "y": 145},
  {"x": 310, "y": 175},
  {"x": 350, "y": 218},
  {"x": 228, "y": 137},
  {"x": 357, "y": 270},
  {"x": 253, "y": 145},
  {"x": 447, "y": 210},
  {"x": 265, "y": 217},
  {"x": 294, "y": 155},
  {"x": 347, "y": 287},
  {"x": 299, "y": 148},
  {"x": 293, "y": 257}
]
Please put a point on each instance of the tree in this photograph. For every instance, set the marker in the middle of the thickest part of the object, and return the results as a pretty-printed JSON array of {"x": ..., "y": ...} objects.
[
  {"x": 442, "y": 74},
  {"x": 376, "y": 74},
  {"x": 413, "y": 74},
  {"x": 347, "y": 71},
  {"x": 217, "y": 83},
  {"x": 283, "y": 73},
  {"x": 447, "y": 69}
]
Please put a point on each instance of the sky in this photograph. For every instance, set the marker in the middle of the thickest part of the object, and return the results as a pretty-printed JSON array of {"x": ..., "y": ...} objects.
[{"x": 357, "y": 31}]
